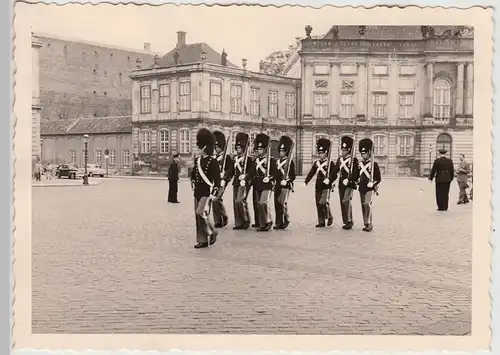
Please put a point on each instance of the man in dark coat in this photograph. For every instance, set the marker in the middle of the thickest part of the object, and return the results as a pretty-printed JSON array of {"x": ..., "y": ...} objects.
[
  {"x": 443, "y": 171},
  {"x": 205, "y": 180},
  {"x": 323, "y": 168},
  {"x": 284, "y": 182},
  {"x": 348, "y": 173},
  {"x": 224, "y": 160},
  {"x": 368, "y": 182},
  {"x": 262, "y": 175},
  {"x": 236, "y": 171},
  {"x": 173, "y": 179}
]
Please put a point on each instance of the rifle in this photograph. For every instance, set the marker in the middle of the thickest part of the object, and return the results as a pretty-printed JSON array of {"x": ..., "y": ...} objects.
[
  {"x": 224, "y": 155},
  {"x": 244, "y": 172},
  {"x": 289, "y": 163},
  {"x": 268, "y": 161},
  {"x": 328, "y": 171},
  {"x": 372, "y": 165}
]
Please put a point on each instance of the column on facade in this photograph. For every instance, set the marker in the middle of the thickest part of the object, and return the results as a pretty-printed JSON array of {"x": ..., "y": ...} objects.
[
  {"x": 136, "y": 100},
  {"x": 459, "y": 106},
  {"x": 308, "y": 89},
  {"x": 361, "y": 90},
  {"x": 334, "y": 89},
  {"x": 469, "y": 90},
  {"x": 430, "y": 87},
  {"x": 155, "y": 99},
  {"x": 174, "y": 93},
  {"x": 226, "y": 97}
]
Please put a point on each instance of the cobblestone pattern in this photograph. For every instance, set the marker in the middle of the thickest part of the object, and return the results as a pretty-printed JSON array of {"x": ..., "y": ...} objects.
[{"x": 117, "y": 259}]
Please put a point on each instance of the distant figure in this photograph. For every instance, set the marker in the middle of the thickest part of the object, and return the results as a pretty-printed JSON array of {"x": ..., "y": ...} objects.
[
  {"x": 443, "y": 170},
  {"x": 38, "y": 170},
  {"x": 463, "y": 172},
  {"x": 224, "y": 57},
  {"x": 173, "y": 180}
]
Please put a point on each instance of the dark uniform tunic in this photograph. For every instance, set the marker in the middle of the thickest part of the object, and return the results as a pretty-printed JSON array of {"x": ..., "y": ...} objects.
[
  {"x": 173, "y": 182},
  {"x": 220, "y": 214},
  {"x": 443, "y": 171},
  {"x": 365, "y": 191},
  {"x": 347, "y": 185},
  {"x": 320, "y": 168},
  {"x": 205, "y": 168},
  {"x": 282, "y": 191},
  {"x": 240, "y": 206}
]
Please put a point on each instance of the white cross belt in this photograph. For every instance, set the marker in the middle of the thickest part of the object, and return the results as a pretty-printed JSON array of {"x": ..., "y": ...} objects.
[
  {"x": 364, "y": 169},
  {"x": 343, "y": 164},
  {"x": 321, "y": 167},
  {"x": 237, "y": 163},
  {"x": 260, "y": 166},
  {"x": 281, "y": 166}
]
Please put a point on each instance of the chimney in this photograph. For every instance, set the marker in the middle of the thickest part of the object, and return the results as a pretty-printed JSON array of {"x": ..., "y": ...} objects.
[
  {"x": 181, "y": 39},
  {"x": 147, "y": 47}
]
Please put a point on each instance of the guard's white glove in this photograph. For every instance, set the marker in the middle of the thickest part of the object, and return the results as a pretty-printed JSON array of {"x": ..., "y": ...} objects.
[
  {"x": 221, "y": 175},
  {"x": 265, "y": 180},
  {"x": 283, "y": 182},
  {"x": 243, "y": 182},
  {"x": 345, "y": 182},
  {"x": 370, "y": 185},
  {"x": 326, "y": 181},
  {"x": 223, "y": 183}
]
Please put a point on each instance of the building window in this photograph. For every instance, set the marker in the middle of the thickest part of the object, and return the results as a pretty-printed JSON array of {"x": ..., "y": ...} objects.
[
  {"x": 72, "y": 156},
  {"x": 379, "y": 145},
  {"x": 126, "y": 157},
  {"x": 184, "y": 141},
  {"x": 346, "y": 105},
  {"x": 98, "y": 156},
  {"x": 145, "y": 142},
  {"x": 321, "y": 69},
  {"x": 406, "y": 105},
  {"x": 273, "y": 104},
  {"x": 442, "y": 99},
  {"x": 215, "y": 96},
  {"x": 165, "y": 98},
  {"x": 379, "y": 105},
  {"x": 112, "y": 157},
  {"x": 290, "y": 105},
  {"x": 321, "y": 105},
  {"x": 444, "y": 142},
  {"x": 185, "y": 96},
  {"x": 405, "y": 145},
  {"x": 235, "y": 98},
  {"x": 164, "y": 138},
  {"x": 255, "y": 101},
  {"x": 145, "y": 99}
]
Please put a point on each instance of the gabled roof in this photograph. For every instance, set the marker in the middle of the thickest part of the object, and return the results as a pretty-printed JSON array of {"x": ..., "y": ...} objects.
[
  {"x": 191, "y": 53},
  {"x": 98, "y": 125}
]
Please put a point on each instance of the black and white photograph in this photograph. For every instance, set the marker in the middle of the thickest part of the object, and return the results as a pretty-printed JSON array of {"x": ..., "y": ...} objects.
[{"x": 195, "y": 171}]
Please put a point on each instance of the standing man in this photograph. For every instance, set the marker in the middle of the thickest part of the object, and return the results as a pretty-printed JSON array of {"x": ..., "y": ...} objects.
[
  {"x": 38, "y": 170},
  {"x": 263, "y": 175},
  {"x": 347, "y": 167},
  {"x": 463, "y": 172},
  {"x": 205, "y": 180},
  {"x": 224, "y": 160},
  {"x": 368, "y": 182},
  {"x": 173, "y": 179},
  {"x": 443, "y": 171},
  {"x": 237, "y": 171},
  {"x": 324, "y": 181},
  {"x": 284, "y": 183}
]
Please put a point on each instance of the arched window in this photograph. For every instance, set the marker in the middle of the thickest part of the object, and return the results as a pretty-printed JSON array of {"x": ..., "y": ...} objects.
[
  {"x": 184, "y": 141},
  {"x": 444, "y": 142},
  {"x": 442, "y": 99},
  {"x": 145, "y": 139},
  {"x": 164, "y": 141}
]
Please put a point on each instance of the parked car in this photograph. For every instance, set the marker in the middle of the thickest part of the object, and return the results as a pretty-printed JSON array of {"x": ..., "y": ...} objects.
[
  {"x": 95, "y": 170},
  {"x": 69, "y": 171}
]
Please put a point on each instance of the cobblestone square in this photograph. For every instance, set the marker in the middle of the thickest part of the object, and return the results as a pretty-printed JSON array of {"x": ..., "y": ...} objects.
[{"x": 116, "y": 258}]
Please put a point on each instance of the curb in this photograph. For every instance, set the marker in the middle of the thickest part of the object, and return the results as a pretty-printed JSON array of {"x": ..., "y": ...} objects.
[{"x": 91, "y": 183}]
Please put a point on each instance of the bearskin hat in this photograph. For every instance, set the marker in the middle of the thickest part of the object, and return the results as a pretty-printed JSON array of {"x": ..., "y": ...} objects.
[
  {"x": 205, "y": 140},
  {"x": 285, "y": 143},
  {"x": 365, "y": 145},
  {"x": 261, "y": 141},
  {"x": 346, "y": 142},
  {"x": 323, "y": 145},
  {"x": 220, "y": 139},
  {"x": 241, "y": 140}
]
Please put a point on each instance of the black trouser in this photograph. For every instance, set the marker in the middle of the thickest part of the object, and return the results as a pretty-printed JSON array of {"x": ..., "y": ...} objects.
[
  {"x": 442, "y": 195},
  {"x": 322, "y": 205},
  {"x": 281, "y": 205},
  {"x": 204, "y": 226},
  {"x": 173, "y": 187},
  {"x": 345, "y": 196},
  {"x": 255, "y": 201},
  {"x": 462, "y": 196},
  {"x": 240, "y": 205},
  {"x": 264, "y": 214},
  {"x": 220, "y": 214}
]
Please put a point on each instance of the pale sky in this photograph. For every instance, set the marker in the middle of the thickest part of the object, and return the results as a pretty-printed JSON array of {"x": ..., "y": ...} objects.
[{"x": 243, "y": 31}]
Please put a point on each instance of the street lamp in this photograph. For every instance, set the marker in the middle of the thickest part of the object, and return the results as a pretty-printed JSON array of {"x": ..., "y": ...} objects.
[
  {"x": 430, "y": 158},
  {"x": 41, "y": 158},
  {"x": 85, "y": 157}
]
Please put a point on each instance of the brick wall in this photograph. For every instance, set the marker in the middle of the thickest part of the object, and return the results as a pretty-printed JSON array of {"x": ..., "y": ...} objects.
[{"x": 81, "y": 79}]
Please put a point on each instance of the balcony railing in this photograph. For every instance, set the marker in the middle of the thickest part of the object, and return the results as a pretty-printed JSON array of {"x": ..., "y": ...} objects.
[{"x": 431, "y": 45}]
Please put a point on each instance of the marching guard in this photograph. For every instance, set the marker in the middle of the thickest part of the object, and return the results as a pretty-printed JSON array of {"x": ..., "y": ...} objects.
[
  {"x": 224, "y": 160},
  {"x": 205, "y": 180},
  {"x": 263, "y": 176},
  {"x": 347, "y": 168},
  {"x": 368, "y": 182},
  {"x": 324, "y": 170},
  {"x": 237, "y": 171},
  {"x": 284, "y": 183}
]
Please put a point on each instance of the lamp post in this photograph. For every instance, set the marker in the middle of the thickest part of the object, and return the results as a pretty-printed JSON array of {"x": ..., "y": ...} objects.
[
  {"x": 85, "y": 157},
  {"x": 430, "y": 158}
]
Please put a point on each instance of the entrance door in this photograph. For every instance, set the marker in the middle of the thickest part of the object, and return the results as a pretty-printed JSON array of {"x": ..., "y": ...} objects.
[{"x": 444, "y": 141}]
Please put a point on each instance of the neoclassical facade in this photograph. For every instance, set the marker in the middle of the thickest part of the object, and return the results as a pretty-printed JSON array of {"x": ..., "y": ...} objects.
[{"x": 36, "y": 149}]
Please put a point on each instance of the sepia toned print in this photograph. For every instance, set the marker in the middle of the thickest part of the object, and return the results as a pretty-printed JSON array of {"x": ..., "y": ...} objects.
[{"x": 320, "y": 183}]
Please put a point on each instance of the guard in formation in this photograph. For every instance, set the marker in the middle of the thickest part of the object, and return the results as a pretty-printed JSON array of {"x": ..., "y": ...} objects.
[
  {"x": 324, "y": 171},
  {"x": 205, "y": 180},
  {"x": 224, "y": 160},
  {"x": 284, "y": 183}
]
